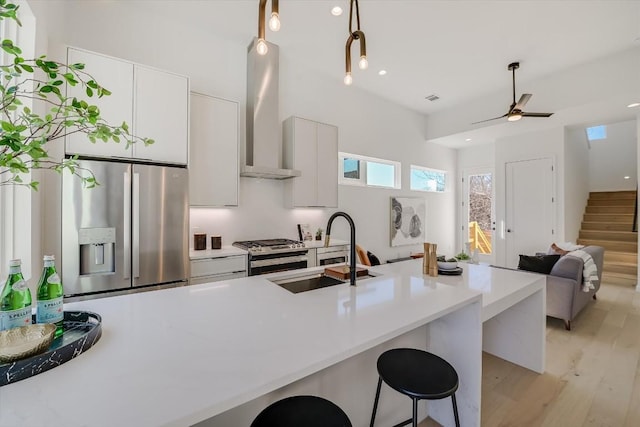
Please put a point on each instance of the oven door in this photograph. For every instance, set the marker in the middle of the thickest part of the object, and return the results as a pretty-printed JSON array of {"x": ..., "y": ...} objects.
[
  {"x": 263, "y": 264},
  {"x": 332, "y": 255}
]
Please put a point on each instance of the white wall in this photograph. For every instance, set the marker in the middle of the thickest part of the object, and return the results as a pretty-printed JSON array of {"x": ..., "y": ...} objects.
[
  {"x": 613, "y": 158},
  {"x": 533, "y": 145},
  {"x": 144, "y": 32},
  {"x": 576, "y": 178}
]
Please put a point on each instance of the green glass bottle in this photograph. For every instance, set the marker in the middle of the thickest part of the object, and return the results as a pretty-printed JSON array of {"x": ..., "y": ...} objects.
[
  {"x": 15, "y": 299},
  {"x": 50, "y": 307}
]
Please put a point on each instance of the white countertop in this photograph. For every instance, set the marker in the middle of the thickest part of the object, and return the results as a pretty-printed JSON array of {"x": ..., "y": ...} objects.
[
  {"x": 181, "y": 355},
  {"x": 225, "y": 251},
  {"x": 501, "y": 288}
]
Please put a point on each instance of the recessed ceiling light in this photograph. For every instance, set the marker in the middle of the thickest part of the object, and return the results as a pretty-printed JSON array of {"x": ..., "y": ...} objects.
[
  {"x": 468, "y": 139},
  {"x": 635, "y": 104},
  {"x": 382, "y": 72},
  {"x": 627, "y": 177},
  {"x": 336, "y": 11}
]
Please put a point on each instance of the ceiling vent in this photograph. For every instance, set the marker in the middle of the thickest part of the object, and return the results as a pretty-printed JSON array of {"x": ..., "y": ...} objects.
[{"x": 432, "y": 97}]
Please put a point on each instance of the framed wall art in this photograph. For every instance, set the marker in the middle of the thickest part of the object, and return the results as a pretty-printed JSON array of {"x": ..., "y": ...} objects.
[{"x": 408, "y": 225}]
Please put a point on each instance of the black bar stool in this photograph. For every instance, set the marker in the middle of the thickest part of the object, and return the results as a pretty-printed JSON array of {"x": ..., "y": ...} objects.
[
  {"x": 419, "y": 375},
  {"x": 302, "y": 411}
]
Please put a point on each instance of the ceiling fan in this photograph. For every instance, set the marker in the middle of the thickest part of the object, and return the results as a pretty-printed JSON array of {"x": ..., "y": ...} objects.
[{"x": 515, "y": 110}]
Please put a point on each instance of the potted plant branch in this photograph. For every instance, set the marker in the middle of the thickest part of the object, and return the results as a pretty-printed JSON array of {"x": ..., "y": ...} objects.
[{"x": 25, "y": 136}]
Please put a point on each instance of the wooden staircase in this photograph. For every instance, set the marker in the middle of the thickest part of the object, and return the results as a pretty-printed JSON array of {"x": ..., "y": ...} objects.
[{"x": 608, "y": 222}]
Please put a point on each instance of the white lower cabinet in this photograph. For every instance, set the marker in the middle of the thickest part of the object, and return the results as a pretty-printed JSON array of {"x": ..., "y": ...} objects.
[{"x": 215, "y": 269}]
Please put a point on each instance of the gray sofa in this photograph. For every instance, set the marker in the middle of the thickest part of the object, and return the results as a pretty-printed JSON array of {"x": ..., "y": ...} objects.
[{"x": 565, "y": 297}]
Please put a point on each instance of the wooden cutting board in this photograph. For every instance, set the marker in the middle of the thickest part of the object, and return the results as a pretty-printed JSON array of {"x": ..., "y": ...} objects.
[{"x": 342, "y": 271}]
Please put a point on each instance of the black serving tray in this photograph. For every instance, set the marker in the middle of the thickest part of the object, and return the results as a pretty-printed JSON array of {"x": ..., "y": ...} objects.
[
  {"x": 451, "y": 272},
  {"x": 82, "y": 329}
]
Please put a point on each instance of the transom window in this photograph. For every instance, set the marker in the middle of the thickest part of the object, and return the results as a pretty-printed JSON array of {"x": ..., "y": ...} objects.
[
  {"x": 368, "y": 171},
  {"x": 425, "y": 179},
  {"x": 595, "y": 133}
]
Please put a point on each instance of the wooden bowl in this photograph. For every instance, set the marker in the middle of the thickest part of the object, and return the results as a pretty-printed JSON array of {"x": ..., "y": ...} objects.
[{"x": 24, "y": 341}]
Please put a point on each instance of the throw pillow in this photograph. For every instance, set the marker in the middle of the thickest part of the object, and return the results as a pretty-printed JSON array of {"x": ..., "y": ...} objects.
[
  {"x": 538, "y": 263},
  {"x": 373, "y": 259}
]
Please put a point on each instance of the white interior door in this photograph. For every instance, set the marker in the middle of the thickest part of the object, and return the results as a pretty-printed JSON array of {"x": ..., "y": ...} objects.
[
  {"x": 530, "y": 208},
  {"x": 478, "y": 212}
]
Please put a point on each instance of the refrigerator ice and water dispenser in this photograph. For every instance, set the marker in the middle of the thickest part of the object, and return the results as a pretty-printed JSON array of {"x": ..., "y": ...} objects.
[{"x": 97, "y": 250}]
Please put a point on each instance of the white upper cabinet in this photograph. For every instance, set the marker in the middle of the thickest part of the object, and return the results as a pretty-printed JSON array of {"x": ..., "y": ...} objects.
[
  {"x": 327, "y": 155},
  {"x": 161, "y": 107},
  {"x": 154, "y": 103},
  {"x": 312, "y": 148},
  {"x": 213, "y": 152},
  {"x": 117, "y": 77}
]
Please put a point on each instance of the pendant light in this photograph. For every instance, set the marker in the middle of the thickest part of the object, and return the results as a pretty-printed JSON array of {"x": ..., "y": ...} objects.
[
  {"x": 274, "y": 24},
  {"x": 355, "y": 35}
]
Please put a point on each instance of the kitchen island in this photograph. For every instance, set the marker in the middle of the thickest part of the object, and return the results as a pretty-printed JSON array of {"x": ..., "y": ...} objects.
[{"x": 218, "y": 353}]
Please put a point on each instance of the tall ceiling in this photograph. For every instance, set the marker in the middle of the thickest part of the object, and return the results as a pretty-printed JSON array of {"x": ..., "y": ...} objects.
[{"x": 458, "y": 50}]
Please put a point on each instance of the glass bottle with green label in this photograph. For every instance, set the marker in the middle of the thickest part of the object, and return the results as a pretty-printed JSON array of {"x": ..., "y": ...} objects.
[
  {"x": 15, "y": 299},
  {"x": 50, "y": 308}
]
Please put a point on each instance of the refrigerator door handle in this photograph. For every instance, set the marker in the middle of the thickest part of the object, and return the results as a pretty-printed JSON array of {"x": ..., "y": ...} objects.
[
  {"x": 135, "y": 248},
  {"x": 127, "y": 225}
]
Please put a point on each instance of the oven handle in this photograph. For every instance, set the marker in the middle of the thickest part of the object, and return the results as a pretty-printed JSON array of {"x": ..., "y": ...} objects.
[{"x": 279, "y": 261}]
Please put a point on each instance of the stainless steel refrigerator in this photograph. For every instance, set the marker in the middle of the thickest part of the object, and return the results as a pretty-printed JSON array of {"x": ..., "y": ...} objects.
[{"x": 126, "y": 233}]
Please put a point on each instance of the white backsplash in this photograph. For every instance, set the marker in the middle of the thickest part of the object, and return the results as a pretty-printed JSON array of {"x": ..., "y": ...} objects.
[{"x": 261, "y": 215}]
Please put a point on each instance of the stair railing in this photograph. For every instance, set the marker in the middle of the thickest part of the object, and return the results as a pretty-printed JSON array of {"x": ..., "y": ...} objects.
[
  {"x": 635, "y": 213},
  {"x": 478, "y": 238}
]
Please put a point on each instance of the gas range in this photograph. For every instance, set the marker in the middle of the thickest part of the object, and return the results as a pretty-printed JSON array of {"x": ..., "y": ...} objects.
[
  {"x": 271, "y": 255},
  {"x": 270, "y": 246}
]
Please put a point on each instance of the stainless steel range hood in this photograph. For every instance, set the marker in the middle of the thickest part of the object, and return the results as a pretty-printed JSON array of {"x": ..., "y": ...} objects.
[{"x": 263, "y": 154}]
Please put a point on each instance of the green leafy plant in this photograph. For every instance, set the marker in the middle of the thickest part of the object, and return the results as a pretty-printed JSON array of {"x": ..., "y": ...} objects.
[
  {"x": 24, "y": 135},
  {"x": 462, "y": 256}
]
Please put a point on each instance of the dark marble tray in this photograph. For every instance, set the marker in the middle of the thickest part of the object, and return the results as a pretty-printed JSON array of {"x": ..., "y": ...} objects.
[{"x": 82, "y": 329}]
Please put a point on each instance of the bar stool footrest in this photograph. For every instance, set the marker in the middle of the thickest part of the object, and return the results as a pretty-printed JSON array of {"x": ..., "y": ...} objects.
[{"x": 404, "y": 423}]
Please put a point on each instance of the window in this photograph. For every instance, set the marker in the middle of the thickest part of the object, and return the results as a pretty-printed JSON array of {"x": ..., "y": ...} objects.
[
  {"x": 368, "y": 171},
  {"x": 424, "y": 179},
  {"x": 597, "y": 132}
]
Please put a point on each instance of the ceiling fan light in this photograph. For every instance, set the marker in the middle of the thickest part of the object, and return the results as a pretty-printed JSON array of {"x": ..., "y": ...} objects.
[{"x": 514, "y": 117}]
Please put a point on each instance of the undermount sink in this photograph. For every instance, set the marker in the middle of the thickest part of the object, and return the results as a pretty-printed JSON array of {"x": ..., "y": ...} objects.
[{"x": 309, "y": 282}]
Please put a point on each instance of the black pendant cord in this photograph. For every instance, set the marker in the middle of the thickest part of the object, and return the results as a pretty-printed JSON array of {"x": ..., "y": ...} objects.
[{"x": 351, "y": 16}]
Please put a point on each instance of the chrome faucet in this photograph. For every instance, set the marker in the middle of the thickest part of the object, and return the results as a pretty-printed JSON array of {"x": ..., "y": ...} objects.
[{"x": 352, "y": 256}]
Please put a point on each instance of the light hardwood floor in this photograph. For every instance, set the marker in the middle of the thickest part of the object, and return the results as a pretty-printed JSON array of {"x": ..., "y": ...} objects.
[{"x": 592, "y": 375}]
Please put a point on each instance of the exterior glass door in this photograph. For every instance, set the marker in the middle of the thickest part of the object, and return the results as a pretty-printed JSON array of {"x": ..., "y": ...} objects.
[{"x": 479, "y": 224}]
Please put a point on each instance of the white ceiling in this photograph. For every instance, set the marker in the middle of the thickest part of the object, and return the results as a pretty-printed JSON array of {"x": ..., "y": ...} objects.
[{"x": 458, "y": 50}]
